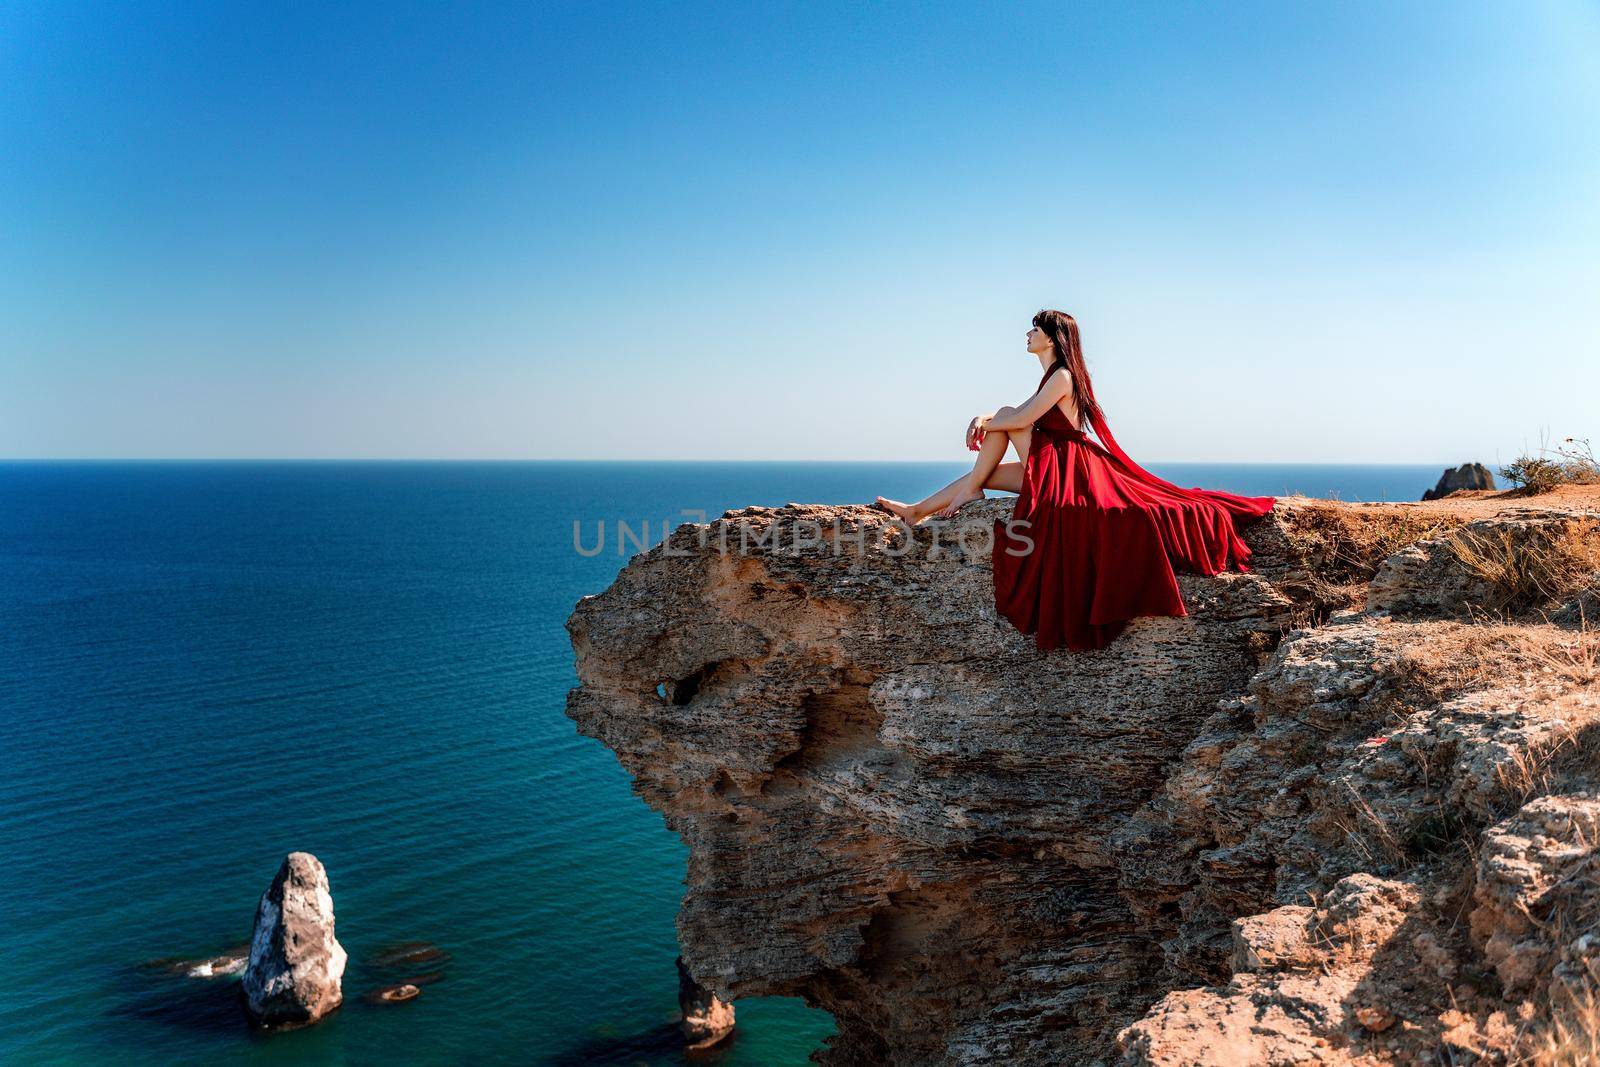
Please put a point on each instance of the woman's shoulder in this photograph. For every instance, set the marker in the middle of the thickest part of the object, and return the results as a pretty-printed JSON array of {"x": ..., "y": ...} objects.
[{"x": 1057, "y": 381}]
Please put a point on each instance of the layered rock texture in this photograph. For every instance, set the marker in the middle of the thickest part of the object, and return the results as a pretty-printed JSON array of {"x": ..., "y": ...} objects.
[
  {"x": 1343, "y": 812},
  {"x": 296, "y": 965}
]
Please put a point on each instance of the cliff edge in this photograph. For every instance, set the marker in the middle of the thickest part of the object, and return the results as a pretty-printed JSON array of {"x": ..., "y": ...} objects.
[{"x": 1345, "y": 811}]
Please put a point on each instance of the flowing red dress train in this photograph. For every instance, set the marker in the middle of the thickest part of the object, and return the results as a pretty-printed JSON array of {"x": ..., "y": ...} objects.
[{"x": 1094, "y": 537}]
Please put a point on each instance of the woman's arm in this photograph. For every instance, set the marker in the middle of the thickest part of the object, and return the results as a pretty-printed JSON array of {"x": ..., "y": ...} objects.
[{"x": 1058, "y": 385}]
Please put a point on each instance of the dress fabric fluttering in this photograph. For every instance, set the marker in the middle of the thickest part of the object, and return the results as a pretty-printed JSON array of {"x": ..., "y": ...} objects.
[{"x": 1094, "y": 538}]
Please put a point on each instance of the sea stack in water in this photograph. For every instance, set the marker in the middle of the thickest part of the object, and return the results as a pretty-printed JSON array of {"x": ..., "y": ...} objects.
[
  {"x": 295, "y": 963},
  {"x": 707, "y": 1019},
  {"x": 1466, "y": 476}
]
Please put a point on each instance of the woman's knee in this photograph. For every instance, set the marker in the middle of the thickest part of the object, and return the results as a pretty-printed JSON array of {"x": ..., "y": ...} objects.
[{"x": 1021, "y": 431}]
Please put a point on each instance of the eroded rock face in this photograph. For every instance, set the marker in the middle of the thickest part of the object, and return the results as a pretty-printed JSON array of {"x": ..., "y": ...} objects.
[
  {"x": 1538, "y": 895},
  {"x": 1248, "y": 823},
  {"x": 897, "y": 806},
  {"x": 1296, "y": 991},
  {"x": 296, "y": 964}
]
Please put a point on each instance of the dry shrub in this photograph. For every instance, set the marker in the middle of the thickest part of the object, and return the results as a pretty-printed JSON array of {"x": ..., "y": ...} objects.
[
  {"x": 1532, "y": 475},
  {"x": 1543, "y": 564},
  {"x": 1571, "y": 463},
  {"x": 1577, "y": 460},
  {"x": 1583, "y": 473}
]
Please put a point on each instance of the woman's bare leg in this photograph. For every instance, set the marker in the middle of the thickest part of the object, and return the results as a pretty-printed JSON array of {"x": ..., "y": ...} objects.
[
  {"x": 1007, "y": 478},
  {"x": 969, "y": 486},
  {"x": 1022, "y": 441},
  {"x": 983, "y": 470}
]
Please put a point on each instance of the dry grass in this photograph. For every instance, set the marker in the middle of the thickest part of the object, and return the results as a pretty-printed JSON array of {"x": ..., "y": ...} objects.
[
  {"x": 1571, "y": 1038},
  {"x": 1571, "y": 655},
  {"x": 1530, "y": 772},
  {"x": 1345, "y": 542},
  {"x": 1578, "y": 464},
  {"x": 1443, "y": 660},
  {"x": 1446, "y": 659},
  {"x": 1568, "y": 1034},
  {"x": 1464, "y": 657},
  {"x": 1370, "y": 826},
  {"x": 1532, "y": 567}
]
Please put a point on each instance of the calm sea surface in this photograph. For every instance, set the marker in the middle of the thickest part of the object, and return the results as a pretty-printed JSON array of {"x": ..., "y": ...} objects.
[{"x": 204, "y": 666}]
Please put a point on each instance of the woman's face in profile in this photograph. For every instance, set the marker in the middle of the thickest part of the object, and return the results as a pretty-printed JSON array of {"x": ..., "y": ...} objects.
[{"x": 1038, "y": 341}]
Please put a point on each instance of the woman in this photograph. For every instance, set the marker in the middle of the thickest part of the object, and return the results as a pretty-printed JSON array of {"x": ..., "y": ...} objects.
[{"x": 1094, "y": 536}]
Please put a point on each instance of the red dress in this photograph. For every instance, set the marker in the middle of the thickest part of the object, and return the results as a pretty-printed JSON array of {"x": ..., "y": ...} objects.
[{"x": 1094, "y": 537}]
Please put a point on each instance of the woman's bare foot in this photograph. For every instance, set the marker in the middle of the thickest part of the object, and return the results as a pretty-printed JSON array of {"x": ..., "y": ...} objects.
[
  {"x": 965, "y": 496},
  {"x": 904, "y": 512}
]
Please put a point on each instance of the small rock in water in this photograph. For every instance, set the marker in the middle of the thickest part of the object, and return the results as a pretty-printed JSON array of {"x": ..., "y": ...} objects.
[
  {"x": 707, "y": 1019},
  {"x": 394, "y": 994},
  {"x": 296, "y": 964},
  {"x": 218, "y": 966}
]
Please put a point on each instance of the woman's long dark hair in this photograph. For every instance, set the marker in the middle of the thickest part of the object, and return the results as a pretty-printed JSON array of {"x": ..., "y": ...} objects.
[{"x": 1062, "y": 329}]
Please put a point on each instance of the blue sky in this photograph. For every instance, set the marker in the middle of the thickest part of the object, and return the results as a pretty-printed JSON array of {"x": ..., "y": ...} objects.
[{"x": 1350, "y": 232}]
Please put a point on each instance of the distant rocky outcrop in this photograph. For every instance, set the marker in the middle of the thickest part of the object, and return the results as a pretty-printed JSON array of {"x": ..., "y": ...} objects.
[
  {"x": 1466, "y": 476},
  {"x": 1334, "y": 815},
  {"x": 296, "y": 964},
  {"x": 706, "y": 1018}
]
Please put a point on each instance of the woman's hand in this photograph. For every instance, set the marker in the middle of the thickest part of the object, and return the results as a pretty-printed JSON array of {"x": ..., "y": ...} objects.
[{"x": 975, "y": 431}]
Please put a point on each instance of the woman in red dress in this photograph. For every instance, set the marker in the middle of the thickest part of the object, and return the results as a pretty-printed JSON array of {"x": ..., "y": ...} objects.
[{"x": 1094, "y": 537}]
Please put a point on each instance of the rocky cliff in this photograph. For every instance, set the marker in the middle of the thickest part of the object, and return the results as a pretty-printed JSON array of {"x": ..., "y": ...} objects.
[{"x": 1342, "y": 812}]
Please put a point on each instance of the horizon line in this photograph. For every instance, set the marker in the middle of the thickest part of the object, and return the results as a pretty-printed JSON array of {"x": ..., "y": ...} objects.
[{"x": 704, "y": 462}]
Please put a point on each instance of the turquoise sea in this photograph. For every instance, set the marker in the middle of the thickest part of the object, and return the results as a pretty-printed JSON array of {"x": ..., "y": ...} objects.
[{"x": 204, "y": 666}]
